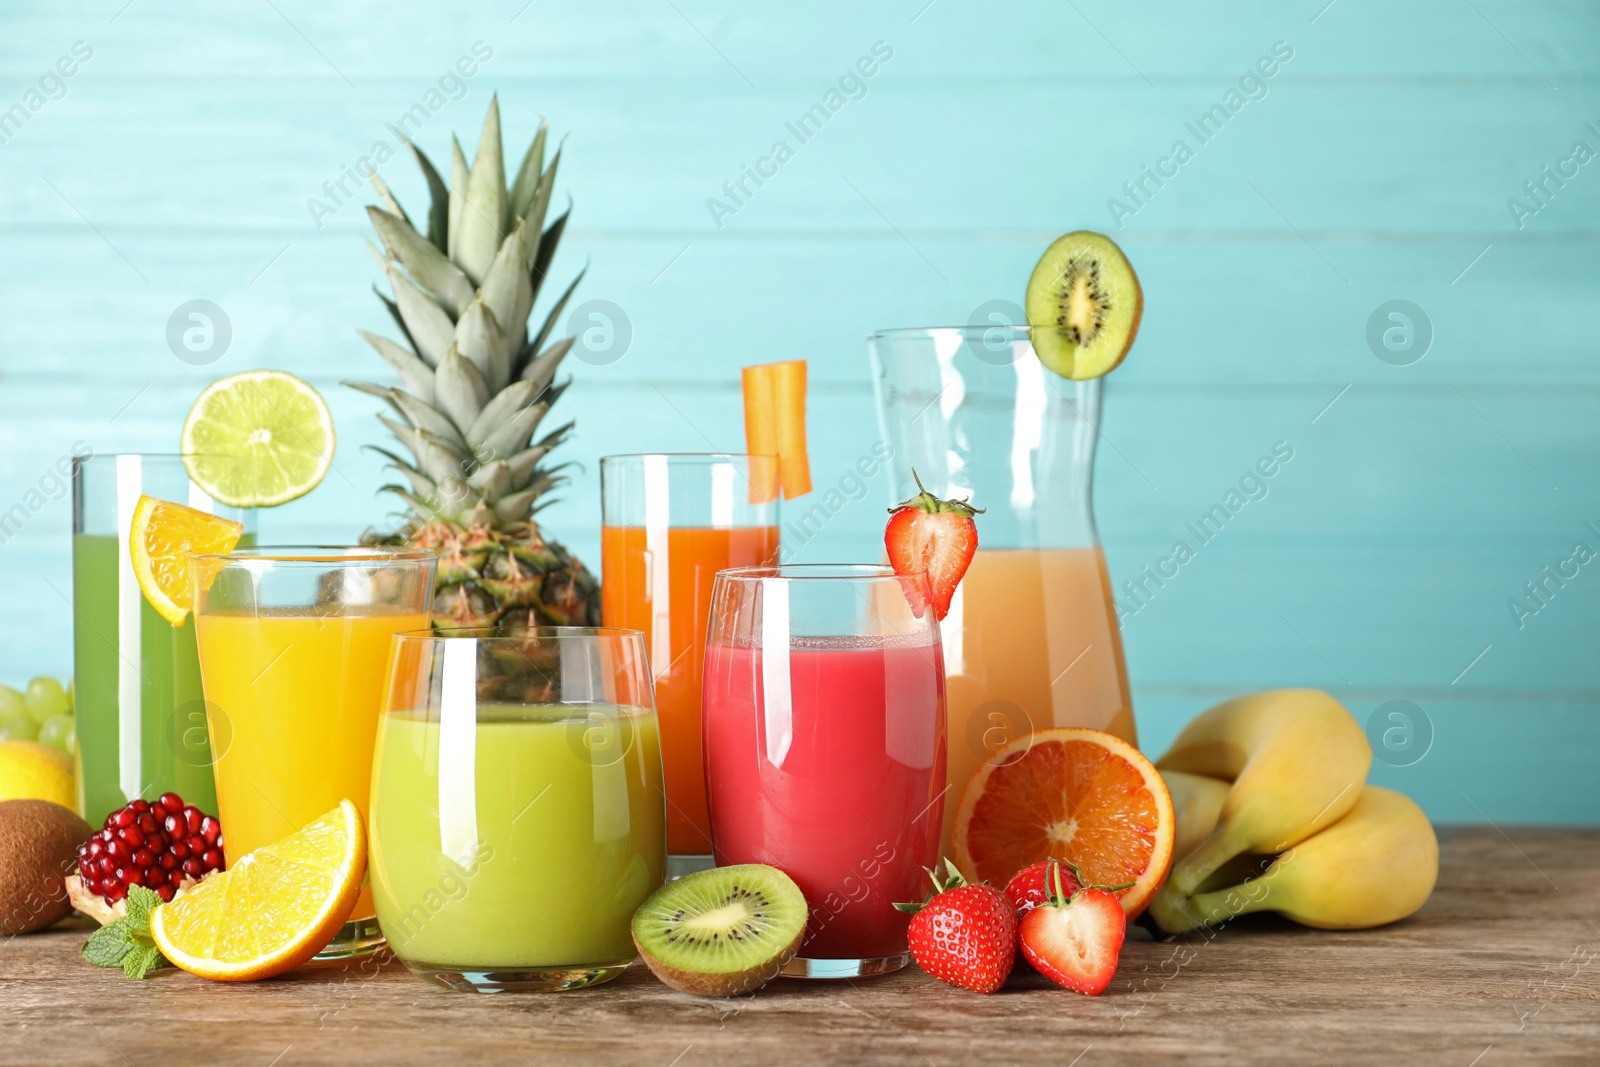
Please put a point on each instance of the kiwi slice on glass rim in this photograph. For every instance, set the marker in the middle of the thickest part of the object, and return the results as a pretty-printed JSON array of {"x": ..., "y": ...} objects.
[
  {"x": 1084, "y": 304},
  {"x": 722, "y": 932}
]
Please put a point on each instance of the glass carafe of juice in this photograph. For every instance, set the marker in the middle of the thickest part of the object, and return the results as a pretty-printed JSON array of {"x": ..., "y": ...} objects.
[{"x": 1031, "y": 641}]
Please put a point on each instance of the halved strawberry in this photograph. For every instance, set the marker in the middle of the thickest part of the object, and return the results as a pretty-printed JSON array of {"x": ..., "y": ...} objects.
[
  {"x": 964, "y": 935},
  {"x": 1029, "y": 888},
  {"x": 1075, "y": 940},
  {"x": 926, "y": 534}
]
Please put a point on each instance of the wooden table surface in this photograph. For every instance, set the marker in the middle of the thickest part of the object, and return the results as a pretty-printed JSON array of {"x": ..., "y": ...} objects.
[{"x": 1502, "y": 966}]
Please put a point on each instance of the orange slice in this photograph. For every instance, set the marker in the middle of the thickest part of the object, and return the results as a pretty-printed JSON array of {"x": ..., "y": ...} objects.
[
  {"x": 271, "y": 910},
  {"x": 1070, "y": 794},
  {"x": 163, "y": 537}
]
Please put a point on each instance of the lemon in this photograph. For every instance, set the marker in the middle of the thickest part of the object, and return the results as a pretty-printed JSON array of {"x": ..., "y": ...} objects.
[
  {"x": 31, "y": 771},
  {"x": 257, "y": 439},
  {"x": 163, "y": 537}
]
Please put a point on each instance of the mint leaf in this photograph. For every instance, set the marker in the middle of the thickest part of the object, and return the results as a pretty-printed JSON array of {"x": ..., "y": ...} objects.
[
  {"x": 126, "y": 942},
  {"x": 108, "y": 945},
  {"x": 139, "y": 961},
  {"x": 140, "y": 903}
]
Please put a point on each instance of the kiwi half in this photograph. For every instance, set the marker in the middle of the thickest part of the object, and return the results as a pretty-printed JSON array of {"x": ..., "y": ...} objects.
[
  {"x": 1084, "y": 304},
  {"x": 722, "y": 932}
]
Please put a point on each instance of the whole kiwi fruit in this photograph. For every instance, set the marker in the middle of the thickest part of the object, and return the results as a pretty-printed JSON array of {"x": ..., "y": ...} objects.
[{"x": 38, "y": 848}]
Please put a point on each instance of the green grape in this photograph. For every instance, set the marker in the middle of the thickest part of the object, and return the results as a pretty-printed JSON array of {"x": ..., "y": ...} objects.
[
  {"x": 45, "y": 698},
  {"x": 54, "y": 732},
  {"x": 69, "y": 744},
  {"x": 12, "y": 704},
  {"x": 17, "y": 729}
]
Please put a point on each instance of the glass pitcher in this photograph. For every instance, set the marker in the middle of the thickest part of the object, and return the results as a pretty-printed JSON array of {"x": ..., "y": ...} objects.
[{"x": 1031, "y": 641}]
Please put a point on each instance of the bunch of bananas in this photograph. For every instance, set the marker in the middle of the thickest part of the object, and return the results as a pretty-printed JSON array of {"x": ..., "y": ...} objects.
[{"x": 1274, "y": 814}]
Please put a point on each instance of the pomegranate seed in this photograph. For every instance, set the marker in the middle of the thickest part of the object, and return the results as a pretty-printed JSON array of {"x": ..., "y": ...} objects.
[
  {"x": 91, "y": 850},
  {"x": 212, "y": 859},
  {"x": 144, "y": 859},
  {"x": 196, "y": 843},
  {"x": 108, "y": 866},
  {"x": 210, "y": 829},
  {"x": 192, "y": 818},
  {"x": 168, "y": 862},
  {"x": 175, "y": 823},
  {"x": 131, "y": 836},
  {"x": 120, "y": 817},
  {"x": 167, "y": 893},
  {"x": 193, "y": 867},
  {"x": 130, "y": 876},
  {"x": 179, "y": 850},
  {"x": 171, "y": 801},
  {"x": 148, "y": 823},
  {"x": 115, "y": 891},
  {"x": 118, "y": 851},
  {"x": 140, "y": 806}
]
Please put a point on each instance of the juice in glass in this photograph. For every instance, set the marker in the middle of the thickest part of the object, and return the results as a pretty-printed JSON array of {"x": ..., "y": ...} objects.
[
  {"x": 838, "y": 789},
  {"x": 658, "y": 580},
  {"x": 140, "y": 714},
  {"x": 294, "y": 700},
  {"x": 1031, "y": 642},
  {"x": 566, "y": 839}
]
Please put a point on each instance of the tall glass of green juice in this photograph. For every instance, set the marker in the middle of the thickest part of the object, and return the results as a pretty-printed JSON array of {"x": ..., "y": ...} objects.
[
  {"x": 141, "y": 715},
  {"x": 517, "y": 812}
]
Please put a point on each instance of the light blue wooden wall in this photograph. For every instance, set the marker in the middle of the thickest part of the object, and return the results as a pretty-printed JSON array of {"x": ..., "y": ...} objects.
[{"x": 1377, "y": 166}]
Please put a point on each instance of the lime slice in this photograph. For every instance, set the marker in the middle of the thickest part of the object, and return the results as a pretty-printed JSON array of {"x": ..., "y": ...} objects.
[{"x": 257, "y": 439}]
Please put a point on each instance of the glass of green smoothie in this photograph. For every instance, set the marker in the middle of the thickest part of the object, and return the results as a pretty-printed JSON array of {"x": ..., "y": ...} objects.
[{"x": 517, "y": 811}]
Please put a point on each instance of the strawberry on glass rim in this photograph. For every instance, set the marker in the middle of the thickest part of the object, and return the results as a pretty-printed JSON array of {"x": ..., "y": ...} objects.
[{"x": 932, "y": 536}]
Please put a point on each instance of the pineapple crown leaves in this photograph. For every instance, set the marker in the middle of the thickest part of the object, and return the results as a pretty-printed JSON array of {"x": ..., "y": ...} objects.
[{"x": 474, "y": 382}]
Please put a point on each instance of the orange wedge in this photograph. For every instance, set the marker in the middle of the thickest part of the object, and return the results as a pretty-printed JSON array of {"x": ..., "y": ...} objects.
[
  {"x": 1069, "y": 794},
  {"x": 271, "y": 910},
  {"x": 163, "y": 537}
]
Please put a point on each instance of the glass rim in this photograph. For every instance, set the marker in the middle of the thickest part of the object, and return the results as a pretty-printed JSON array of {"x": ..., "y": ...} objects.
[
  {"x": 349, "y": 555},
  {"x": 542, "y": 633},
  {"x": 801, "y": 572},
  {"x": 897, "y": 332},
  {"x": 687, "y": 457}
]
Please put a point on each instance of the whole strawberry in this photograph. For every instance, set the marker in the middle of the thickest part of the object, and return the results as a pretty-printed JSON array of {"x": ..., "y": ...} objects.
[
  {"x": 1028, "y": 887},
  {"x": 964, "y": 935},
  {"x": 1075, "y": 939},
  {"x": 935, "y": 537}
]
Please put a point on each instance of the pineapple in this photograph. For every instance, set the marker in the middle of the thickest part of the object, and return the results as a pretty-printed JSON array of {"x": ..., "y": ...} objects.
[{"x": 476, "y": 386}]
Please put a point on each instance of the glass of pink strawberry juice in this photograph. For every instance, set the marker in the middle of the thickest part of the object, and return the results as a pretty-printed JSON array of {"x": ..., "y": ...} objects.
[{"x": 824, "y": 718}]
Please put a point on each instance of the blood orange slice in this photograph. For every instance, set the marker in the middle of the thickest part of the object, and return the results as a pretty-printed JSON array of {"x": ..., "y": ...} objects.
[{"x": 1069, "y": 794}]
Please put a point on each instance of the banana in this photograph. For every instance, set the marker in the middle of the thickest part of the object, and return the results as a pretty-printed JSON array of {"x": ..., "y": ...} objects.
[
  {"x": 1196, "y": 803},
  {"x": 1376, "y": 865},
  {"x": 1297, "y": 760}
]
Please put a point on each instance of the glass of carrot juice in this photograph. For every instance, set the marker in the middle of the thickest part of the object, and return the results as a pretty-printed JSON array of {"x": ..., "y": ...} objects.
[{"x": 670, "y": 522}]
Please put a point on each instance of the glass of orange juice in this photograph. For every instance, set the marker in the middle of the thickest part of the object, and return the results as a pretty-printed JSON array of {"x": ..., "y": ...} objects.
[
  {"x": 1031, "y": 641},
  {"x": 669, "y": 523},
  {"x": 294, "y": 652}
]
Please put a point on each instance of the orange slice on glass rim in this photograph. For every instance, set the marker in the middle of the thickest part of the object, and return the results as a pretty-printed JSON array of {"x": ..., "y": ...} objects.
[
  {"x": 163, "y": 537},
  {"x": 1068, "y": 794},
  {"x": 271, "y": 910}
]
